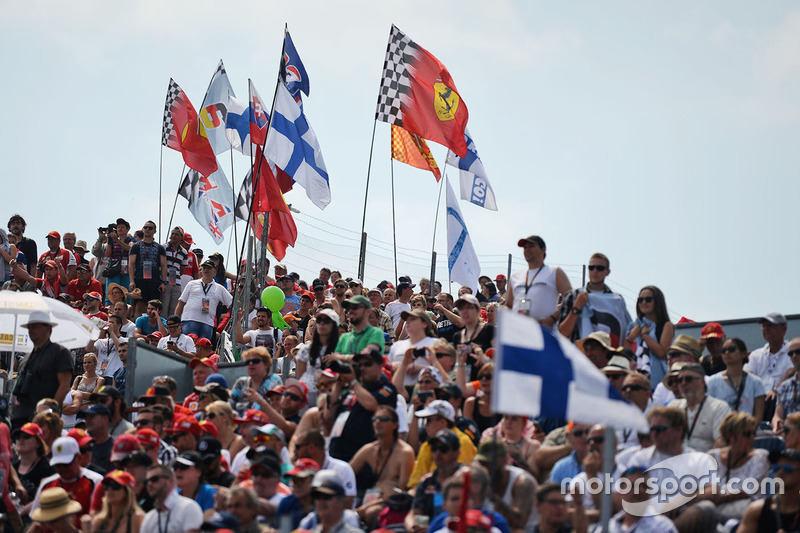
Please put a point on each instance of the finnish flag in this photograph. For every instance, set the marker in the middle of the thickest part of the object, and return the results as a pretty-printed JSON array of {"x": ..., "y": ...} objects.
[{"x": 540, "y": 373}]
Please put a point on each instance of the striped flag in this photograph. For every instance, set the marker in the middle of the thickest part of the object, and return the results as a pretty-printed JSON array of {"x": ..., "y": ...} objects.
[
  {"x": 413, "y": 150},
  {"x": 558, "y": 380}
]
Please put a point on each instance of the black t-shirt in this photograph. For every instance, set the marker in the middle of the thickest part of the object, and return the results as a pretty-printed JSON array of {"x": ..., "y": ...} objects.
[
  {"x": 101, "y": 453},
  {"x": 151, "y": 253},
  {"x": 357, "y": 429},
  {"x": 482, "y": 339},
  {"x": 28, "y": 247},
  {"x": 39, "y": 378},
  {"x": 35, "y": 475},
  {"x": 445, "y": 328},
  {"x": 428, "y": 497}
]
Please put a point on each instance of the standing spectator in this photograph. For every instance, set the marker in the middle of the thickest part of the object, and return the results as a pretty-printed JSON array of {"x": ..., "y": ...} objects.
[
  {"x": 535, "y": 290},
  {"x": 771, "y": 361},
  {"x": 177, "y": 261},
  {"x": 116, "y": 252},
  {"x": 195, "y": 257},
  {"x": 171, "y": 510},
  {"x": 310, "y": 356},
  {"x": 395, "y": 308},
  {"x": 46, "y": 373},
  {"x": 198, "y": 304},
  {"x": 788, "y": 401},
  {"x": 17, "y": 225},
  {"x": 651, "y": 334},
  {"x": 148, "y": 259},
  {"x": 52, "y": 284},
  {"x": 266, "y": 335},
  {"x": 58, "y": 254}
]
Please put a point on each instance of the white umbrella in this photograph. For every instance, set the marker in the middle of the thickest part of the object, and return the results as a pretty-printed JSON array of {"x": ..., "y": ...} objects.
[{"x": 74, "y": 330}]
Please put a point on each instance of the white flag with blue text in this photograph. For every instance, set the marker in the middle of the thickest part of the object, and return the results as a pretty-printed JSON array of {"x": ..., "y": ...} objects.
[
  {"x": 210, "y": 201},
  {"x": 540, "y": 373},
  {"x": 214, "y": 112},
  {"x": 462, "y": 261},
  {"x": 475, "y": 186},
  {"x": 293, "y": 147}
]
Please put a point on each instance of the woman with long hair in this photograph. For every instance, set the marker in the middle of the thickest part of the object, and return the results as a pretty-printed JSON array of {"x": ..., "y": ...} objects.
[
  {"x": 479, "y": 407},
  {"x": 31, "y": 463},
  {"x": 323, "y": 342},
  {"x": 221, "y": 415},
  {"x": 120, "y": 512},
  {"x": 650, "y": 335},
  {"x": 51, "y": 425},
  {"x": 89, "y": 381},
  {"x": 743, "y": 391},
  {"x": 222, "y": 275},
  {"x": 258, "y": 381}
]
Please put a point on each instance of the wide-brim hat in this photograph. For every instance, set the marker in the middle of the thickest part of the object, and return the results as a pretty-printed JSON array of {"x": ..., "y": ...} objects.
[
  {"x": 135, "y": 294},
  {"x": 54, "y": 504},
  {"x": 39, "y": 317},
  {"x": 600, "y": 337},
  {"x": 686, "y": 344},
  {"x": 112, "y": 286}
]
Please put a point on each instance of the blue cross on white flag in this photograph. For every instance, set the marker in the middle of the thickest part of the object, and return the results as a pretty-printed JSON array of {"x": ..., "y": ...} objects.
[
  {"x": 475, "y": 186},
  {"x": 540, "y": 373},
  {"x": 462, "y": 261}
]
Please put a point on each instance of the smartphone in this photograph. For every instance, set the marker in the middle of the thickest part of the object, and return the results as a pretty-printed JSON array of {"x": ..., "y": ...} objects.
[{"x": 424, "y": 396}]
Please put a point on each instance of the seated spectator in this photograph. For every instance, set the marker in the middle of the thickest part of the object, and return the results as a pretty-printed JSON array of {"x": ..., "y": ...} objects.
[
  {"x": 31, "y": 462},
  {"x": 311, "y": 445},
  {"x": 214, "y": 473},
  {"x": 478, "y": 499},
  {"x": 242, "y": 503},
  {"x": 89, "y": 381},
  {"x": 120, "y": 508},
  {"x": 703, "y": 412},
  {"x": 184, "y": 513},
  {"x": 741, "y": 390},
  {"x": 516, "y": 434},
  {"x": 788, "y": 401},
  {"x": 299, "y": 503},
  {"x": 176, "y": 341},
  {"x": 188, "y": 477},
  {"x": 478, "y": 408},
  {"x": 626, "y": 521},
  {"x": 221, "y": 414},
  {"x": 512, "y": 489},
  {"x": 445, "y": 446},
  {"x": 151, "y": 322},
  {"x": 330, "y": 504},
  {"x": 57, "y": 514},
  {"x": 258, "y": 381}
]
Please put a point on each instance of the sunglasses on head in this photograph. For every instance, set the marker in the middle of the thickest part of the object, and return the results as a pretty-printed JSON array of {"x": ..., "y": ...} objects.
[
  {"x": 633, "y": 388},
  {"x": 253, "y": 362},
  {"x": 599, "y": 268},
  {"x": 644, "y": 299}
]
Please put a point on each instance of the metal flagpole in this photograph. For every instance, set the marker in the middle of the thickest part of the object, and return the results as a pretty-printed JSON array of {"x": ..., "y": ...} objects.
[
  {"x": 160, "y": 172},
  {"x": 363, "y": 250},
  {"x": 394, "y": 227},
  {"x": 174, "y": 203},
  {"x": 435, "y": 223},
  {"x": 235, "y": 232}
]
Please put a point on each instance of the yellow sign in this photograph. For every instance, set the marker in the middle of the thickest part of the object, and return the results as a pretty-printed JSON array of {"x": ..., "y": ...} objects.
[{"x": 445, "y": 101}]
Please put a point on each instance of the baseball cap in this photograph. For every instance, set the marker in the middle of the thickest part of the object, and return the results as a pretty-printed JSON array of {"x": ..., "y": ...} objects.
[
  {"x": 403, "y": 285},
  {"x": 330, "y": 313},
  {"x": 64, "y": 451},
  {"x": 206, "y": 426},
  {"x": 438, "y": 408},
  {"x": 448, "y": 437},
  {"x": 31, "y": 429},
  {"x": 253, "y": 416},
  {"x": 327, "y": 482},
  {"x": 187, "y": 238},
  {"x": 84, "y": 268},
  {"x": 95, "y": 409},
  {"x": 491, "y": 449},
  {"x": 155, "y": 334},
  {"x": 206, "y": 361},
  {"x": 279, "y": 390},
  {"x": 375, "y": 290},
  {"x": 209, "y": 448},
  {"x": 202, "y": 341},
  {"x": 451, "y": 388},
  {"x": 468, "y": 427},
  {"x": 712, "y": 330},
  {"x": 148, "y": 437},
  {"x": 533, "y": 239},
  {"x": 359, "y": 299},
  {"x": 304, "y": 468},
  {"x": 433, "y": 372},
  {"x": 124, "y": 445},
  {"x": 217, "y": 378},
  {"x": 214, "y": 389},
  {"x": 266, "y": 458},
  {"x": 92, "y": 296},
  {"x": 80, "y": 436},
  {"x": 300, "y": 386},
  {"x": 209, "y": 263},
  {"x": 185, "y": 424},
  {"x": 375, "y": 355},
  {"x": 500, "y": 277},
  {"x": 307, "y": 294},
  {"x": 152, "y": 393},
  {"x": 773, "y": 318},
  {"x": 105, "y": 391},
  {"x": 54, "y": 235},
  {"x": 189, "y": 458},
  {"x": 467, "y": 299},
  {"x": 123, "y": 478},
  {"x": 268, "y": 430},
  {"x": 223, "y": 522}
]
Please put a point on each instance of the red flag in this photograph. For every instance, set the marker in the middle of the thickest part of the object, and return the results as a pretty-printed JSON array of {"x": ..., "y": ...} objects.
[
  {"x": 418, "y": 94},
  {"x": 267, "y": 198},
  {"x": 181, "y": 131}
]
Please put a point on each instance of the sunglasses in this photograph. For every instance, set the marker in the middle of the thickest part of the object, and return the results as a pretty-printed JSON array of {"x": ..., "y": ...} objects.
[
  {"x": 340, "y": 286},
  {"x": 366, "y": 364},
  {"x": 731, "y": 349},
  {"x": 324, "y": 320},
  {"x": 154, "y": 479},
  {"x": 596, "y": 440},
  {"x": 381, "y": 418},
  {"x": 439, "y": 355},
  {"x": 579, "y": 433},
  {"x": 152, "y": 228},
  {"x": 599, "y": 268},
  {"x": 440, "y": 449},
  {"x": 111, "y": 485},
  {"x": 292, "y": 396},
  {"x": 486, "y": 376},
  {"x": 253, "y": 362},
  {"x": 616, "y": 377},
  {"x": 658, "y": 429},
  {"x": 633, "y": 388},
  {"x": 355, "y": 285},
  {"x": 427, "y": 382},
  {"x": 143, "y": 422},
  {"x": 644, "y": 299},
  {"x": 794, "y": 352},
  {"x": 786, "y": 468},
  {"x": 87, "y": 449},
  {"x": 685, "y": 379}
]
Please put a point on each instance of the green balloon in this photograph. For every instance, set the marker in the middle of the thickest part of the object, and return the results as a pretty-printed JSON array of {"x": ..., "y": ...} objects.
[{"x": 273, "y": 299}]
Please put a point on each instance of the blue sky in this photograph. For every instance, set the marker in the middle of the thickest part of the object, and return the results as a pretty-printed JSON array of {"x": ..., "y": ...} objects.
[{"x": 663, "y": 135}]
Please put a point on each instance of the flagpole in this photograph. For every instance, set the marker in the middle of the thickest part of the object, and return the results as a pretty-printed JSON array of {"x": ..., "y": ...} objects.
[
  {"x": 394, "y": 227},
  {"x": 363, "y": 250},
  {"x": 160, "y": 172},
  {"x": 174, "y": 203},
  {"x": 235, "y": 232},
  {"x": 435, "y": 223}
]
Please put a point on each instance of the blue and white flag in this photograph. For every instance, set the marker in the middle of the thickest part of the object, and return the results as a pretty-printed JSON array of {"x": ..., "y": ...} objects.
[
  {"x": 214, "y": 112},
  {"x": 540, "y": 373},
  {"x": 210, "y": 201},
  {"x": 292, "y": 70},
  {"x": 475, "y": 186},
  {"x": 237, "y": 125},
  {"x": 293, "y": 147},
  {"x": 462, "y": 261},
  {"x": 605, "y": 311}
]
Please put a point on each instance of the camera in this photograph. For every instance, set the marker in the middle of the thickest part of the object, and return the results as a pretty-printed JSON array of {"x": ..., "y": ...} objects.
[
  {"x": 340, "y": 367},
  {"x": 419, "y": 352},
  {"x": 112, "y": 227},
  {"x": 424, "y": 396}
]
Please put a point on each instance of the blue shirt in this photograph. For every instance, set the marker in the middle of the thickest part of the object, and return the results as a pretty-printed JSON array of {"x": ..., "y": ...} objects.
[
  {"x": 720, "y": 388},
  {"x": 291, "y": 506},
  {"x": 205, "y": 496},
  {"x": 565, "y": 469},
  {"x": 144, "y": 325}
]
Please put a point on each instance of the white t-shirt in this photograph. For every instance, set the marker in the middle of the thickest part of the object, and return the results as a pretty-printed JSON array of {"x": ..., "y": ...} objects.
[
  {"x": 182, "y": 514},
  {"x": 127, "y": 329},
  {"x": 195, "y": 293},
  {"x": 542, "y": 293},
  {"x": 395, "y": 309},
  {"x": 263, "y": 337},
  {"x": 108, "y": 360},
  {"x": 398, "y": 350},
  {"x": 703, "y": 426},
  {"x": 184, "y": 342}
]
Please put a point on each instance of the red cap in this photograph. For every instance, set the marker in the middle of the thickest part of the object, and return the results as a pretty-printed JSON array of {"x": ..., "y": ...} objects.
[
  {"x": 186, "y": 424},
  {"x": 193, "y": 336},
  {"x": 183, "y": 411},
  {"x": 208, "y": 427},
  {"x": 300, "y": 386},
  {"x": 712, "y": 330},
  {"x": 156, "y": 334},
  {"x": 55, "y": 235},
  {"x": 187, "y": 238},
  {"x": 80, "y": 435},
  {"x": 303, "y": 466},
  {"x": 51, "y": 263},
  {"x": 94, "y": 294},
  {"x": 203, "y": 342},
  {"x": 34, "y": 430},
  {"x": 205, "y": 362},
  {"x": 148, "y": 437},
  {"x": 122, "y": 477},
  {"x": 124, "y": 445},
  {"x": 253, "y": 416},
  {"x": 280, "y": 389},
  {"x": 309, "y": 295},
  {"x": 500, "y": 277}
]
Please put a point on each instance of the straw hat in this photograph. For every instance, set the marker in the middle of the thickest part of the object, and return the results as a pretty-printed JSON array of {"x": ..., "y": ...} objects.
[
  {"x": 112, "y": 286},
  {"x": 55, "y": 503},
  {"x": 135, "y": 294}
]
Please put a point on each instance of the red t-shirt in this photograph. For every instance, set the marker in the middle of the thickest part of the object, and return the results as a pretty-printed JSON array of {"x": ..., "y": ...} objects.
[
  {"x": 63, "y": 254},
  {"x": 80, "y": 491},
  {"x": 101, "y": 315},
  {"x": 191, "y": 267},
  {"x": 76, "y": 290}
]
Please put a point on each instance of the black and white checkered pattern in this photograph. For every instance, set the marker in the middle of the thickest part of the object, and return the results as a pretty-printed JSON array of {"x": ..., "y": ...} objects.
[
  {"x": 169, "y": 137},
  {"x": 245, "y": 199},
  {"x": 395, "y": 81}
]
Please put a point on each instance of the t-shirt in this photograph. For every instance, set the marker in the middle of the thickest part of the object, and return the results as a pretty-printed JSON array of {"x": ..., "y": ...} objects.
[
  {"x": 292, "y": 304},
  {"x": 703, "y": 424},
  {"x": 263, "y": 337},
  {"x": 65, "y": 256},
  {"x": 181, "y": 515},
  {"x": 148, "y": 254},
  {"x": 395, "y": 309},
  {"x": 143, "y": 324},
  {"x": 721, "y": 388},
  {"x": 39, "y": 377},
  {"x": 184, "y": 342},
  {"x": 353, "y": 342},
  {"x": 191, "y": 270},
  {"x": 201, "y": 300},
  {"x": 353, "y": 426},
  {"x": 205, "y": 496},
  {"x": 108, "y": 360},
  {"x": 177, "y": 261},
  {"x": 76, "y": 290},
  {"x": 398, "y": 350}
]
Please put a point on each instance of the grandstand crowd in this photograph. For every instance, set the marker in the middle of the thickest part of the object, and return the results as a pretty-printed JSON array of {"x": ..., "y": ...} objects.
[{"x": 370, "y": 408}]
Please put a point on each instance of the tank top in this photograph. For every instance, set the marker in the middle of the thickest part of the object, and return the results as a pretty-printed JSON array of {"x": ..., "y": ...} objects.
[
  {"x": 542, "y": 291},
  {"x": 513, "y": 474},
  {"x": 767, "y": 521}
]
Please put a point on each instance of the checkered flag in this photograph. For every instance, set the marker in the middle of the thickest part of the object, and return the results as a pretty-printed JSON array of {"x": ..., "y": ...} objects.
[
  {"x": 169, "y": 135},
  {"x": 395, "y": 82},
  {"x": 245, "y": 199}
]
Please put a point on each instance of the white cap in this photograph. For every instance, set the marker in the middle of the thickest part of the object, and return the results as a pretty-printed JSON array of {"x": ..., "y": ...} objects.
[
  {"x": 64, "y": 451},
  {"x": 438, "y": 408}
]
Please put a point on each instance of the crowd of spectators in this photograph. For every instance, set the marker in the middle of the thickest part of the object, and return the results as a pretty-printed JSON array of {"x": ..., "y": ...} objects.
[{"x": 372, "y": 409}]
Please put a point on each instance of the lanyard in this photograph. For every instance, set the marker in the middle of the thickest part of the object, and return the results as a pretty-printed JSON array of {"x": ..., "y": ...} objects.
[
  {"x": 356, "y": 337},
  {"x": 206, "y": 287},
  {"x": 696, "y": 416},
  {"x": 166, "y": 524},
  {"x": 528, "y": 284}
]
